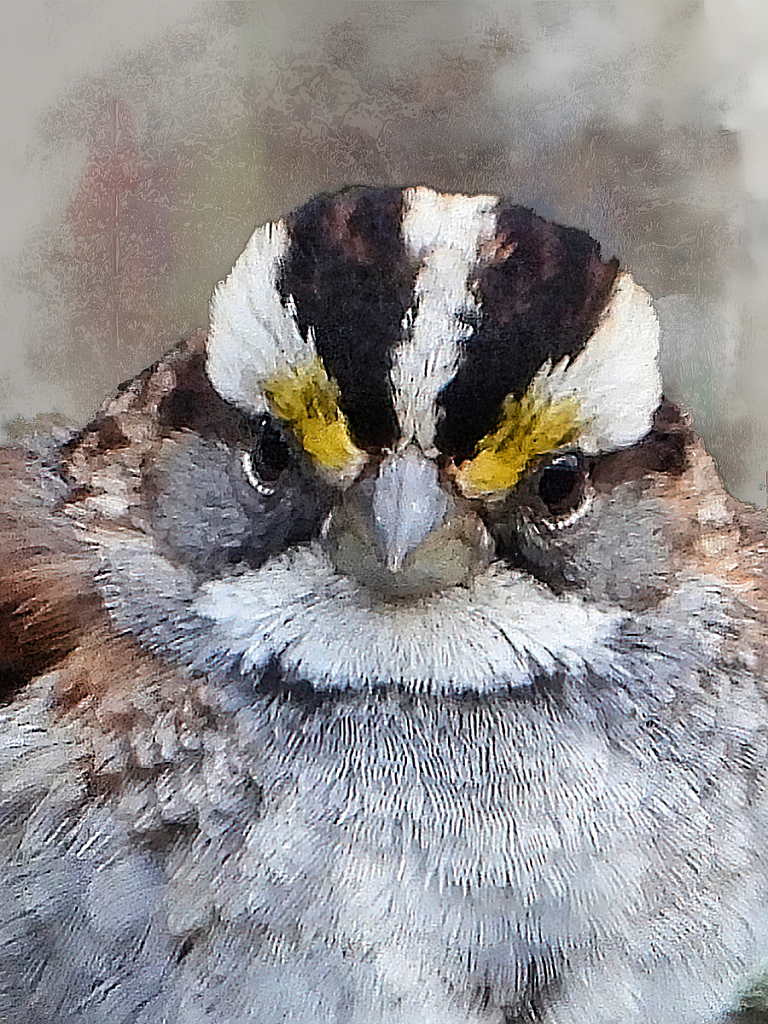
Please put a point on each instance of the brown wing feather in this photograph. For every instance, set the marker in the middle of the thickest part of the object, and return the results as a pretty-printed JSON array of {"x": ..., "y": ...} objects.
[{"x": 47, "y": 596}]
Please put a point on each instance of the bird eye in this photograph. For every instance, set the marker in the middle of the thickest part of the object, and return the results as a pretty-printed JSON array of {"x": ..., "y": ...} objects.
[
  {"x": 562, "y": 485},
  {"x": 269, "y": 457}
]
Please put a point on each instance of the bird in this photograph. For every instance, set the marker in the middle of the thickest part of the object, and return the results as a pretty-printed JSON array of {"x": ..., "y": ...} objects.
[{"x": 388, "y": 652}]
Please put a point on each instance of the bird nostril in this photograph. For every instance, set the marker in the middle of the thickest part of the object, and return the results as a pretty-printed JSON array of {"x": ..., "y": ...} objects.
[{"x": 394, "y": 560}]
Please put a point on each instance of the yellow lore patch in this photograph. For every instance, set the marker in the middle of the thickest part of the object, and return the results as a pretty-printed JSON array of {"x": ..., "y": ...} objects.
[
  {"x": 308, "y": 401},
  {"x": 529, "y": 427}
]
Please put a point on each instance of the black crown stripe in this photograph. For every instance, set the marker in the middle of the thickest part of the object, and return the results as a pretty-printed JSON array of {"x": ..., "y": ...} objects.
[{"x": 540, "y": 288}]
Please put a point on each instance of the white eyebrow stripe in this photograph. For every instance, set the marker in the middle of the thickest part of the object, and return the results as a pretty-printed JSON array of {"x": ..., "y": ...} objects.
[
  {"x": 443, "y": 234},
  {"x": 615, "y": 377},
  {"x": 253, "y": 334}
]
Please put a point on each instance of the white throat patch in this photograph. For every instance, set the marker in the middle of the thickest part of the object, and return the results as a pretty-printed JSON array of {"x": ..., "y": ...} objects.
[{"x": 324, "y": 628}]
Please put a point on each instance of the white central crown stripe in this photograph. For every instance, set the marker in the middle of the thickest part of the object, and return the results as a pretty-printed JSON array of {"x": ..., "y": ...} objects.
[
  {"x": 443, "y": 233},
  {"x": 254, "y": 336}
]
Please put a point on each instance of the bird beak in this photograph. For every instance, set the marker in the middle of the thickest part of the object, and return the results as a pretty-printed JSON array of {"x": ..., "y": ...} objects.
[
  {"x": 407, "y": 504},
  {"x": 405, "y": 533}
]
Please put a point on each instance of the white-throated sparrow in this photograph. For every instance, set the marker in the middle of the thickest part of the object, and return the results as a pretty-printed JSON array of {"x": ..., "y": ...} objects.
[{"x": 388, "y": 654}]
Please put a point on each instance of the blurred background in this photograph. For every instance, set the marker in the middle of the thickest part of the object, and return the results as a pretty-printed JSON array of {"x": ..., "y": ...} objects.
[{"x": 143, "y": 141}]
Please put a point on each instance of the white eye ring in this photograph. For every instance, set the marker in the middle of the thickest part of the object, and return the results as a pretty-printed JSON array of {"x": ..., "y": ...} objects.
[
  {"x": 572, "y": 517},
  {"x": 256, "y": 483},
  {"x": 569, "y": 460}
]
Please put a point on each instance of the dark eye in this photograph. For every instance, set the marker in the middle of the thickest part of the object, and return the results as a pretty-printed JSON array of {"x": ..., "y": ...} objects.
[
  {"x": 269, "y": 457},
  {"x": 562, "y": 485}
]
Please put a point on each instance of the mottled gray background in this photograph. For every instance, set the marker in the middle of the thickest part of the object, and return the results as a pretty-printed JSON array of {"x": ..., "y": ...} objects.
[{"x": 144, "y": 140}]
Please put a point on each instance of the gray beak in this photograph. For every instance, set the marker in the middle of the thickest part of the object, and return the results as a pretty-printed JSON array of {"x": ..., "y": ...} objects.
[
  {"x": 408, "y": 504},
  {"x": 404, "y": 533}
]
